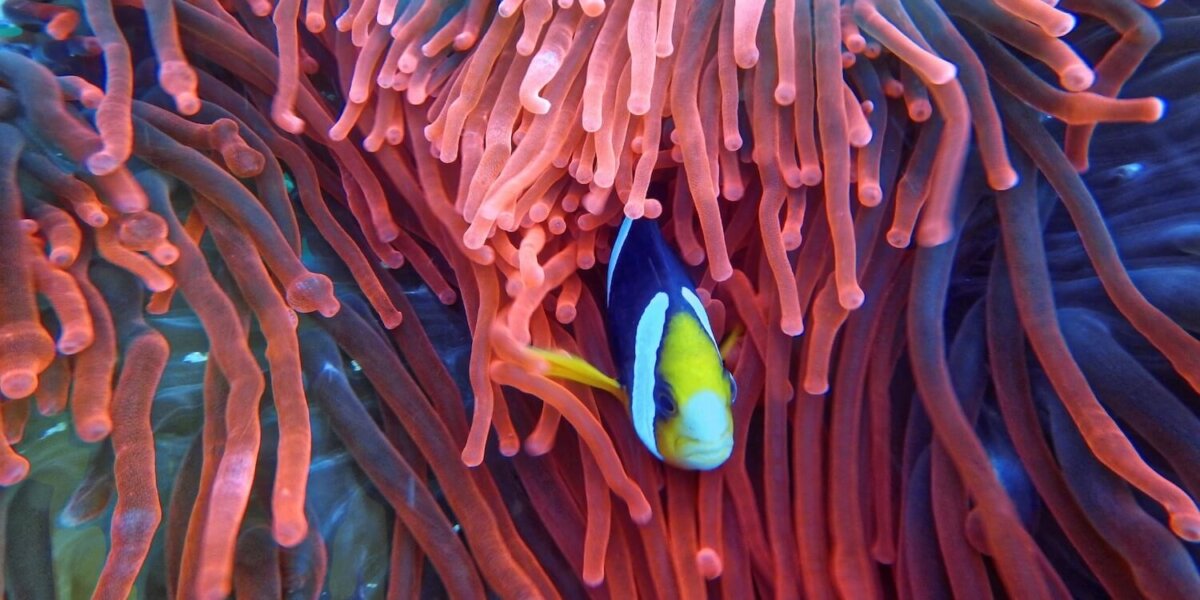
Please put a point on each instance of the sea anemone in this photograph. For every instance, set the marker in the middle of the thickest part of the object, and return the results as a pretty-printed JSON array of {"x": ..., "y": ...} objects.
[{"x": 1007, "y": 407}]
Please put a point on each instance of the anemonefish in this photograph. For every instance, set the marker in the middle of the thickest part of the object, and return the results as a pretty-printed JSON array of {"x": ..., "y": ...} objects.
[
  {"x": 680, "y": 394},
  {"x": 672, "y": 377}
]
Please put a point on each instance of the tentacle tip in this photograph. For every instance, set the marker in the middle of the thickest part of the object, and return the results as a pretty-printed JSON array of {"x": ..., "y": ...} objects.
[
  {"x": 721, "y": 272},
  {"x": 312, "y": 292},
  {"x": 510, "y": 447},
  {"x": 920, "y": 110},
  {"x": 314, "y": 22},
  {"x": 709, "y": 563},
  {"x": 472, "y": 457},
  {"x": 860, "y": 137},
  {"x": 852, "y": 298},
  {"x": 785, "y": 94},
  {"x": 1186, "y": 526},
  {"x": 792, "y": 326},
  {"x": 75, "y": 342},
  {"x": 1159, "y": 110},
  {"x": 652, "y": 209},
  {"x": 898, "y": 239},
  {"x": 153, "y": 308},
  {"x": 594, "y": 8},
  {"x": 187, "y": 103},
  {"x": 62, "y": 26},
  {"x": 18, "y": 383},
  {"x": 945, "y": 73},
  {"x": 640, "y": 511},
  {"x": 639, "y": 104},
  {"x": 1061, "y": 26},
  {"x": 330, "y": 308},
  {"x": 592, "y": 578},
  {"x": 870, "y": 194},
  {"x": 392, "y": 261},
  {"x": 536, "y": 105},
  {"x": 387, "y": 230},
  {"x": 289, "y": 534},
  {"x": 49, "y": 411},
  {"x": 810, "y": 175},
  {"x": 933, "y": 234},
  {"x": 392, "y": 318},
  {"x": 815, "y": 387},
  {"x": 448, "y": 153},
  {"x": 1077, "y": 78},
  {"x": 793, "y": 239},
  {"x": 537, "y": 447},
  {"x": 792, "y": 177},
  {"x": 103, "y": 163},
  {"x": 95, "y": 219},
  {"x": 62, "y": 257},
  {"x": 465, "y": 40},
  {"x": 484, "y": 256},
  {"x": 14, "y": 470},
  {"x": 565, "y": 314},
  {"x": 746, "y": 58},
  {"x": 165, "y": 254},
  {"x": 289, "y": 122},
  {"x": 160, "y": 284},
  {"x": 1005, "y": 178},
  {"x": 93, "y": 429},
  {"x": 883, "y": 552},
  {"x": 507, "y": 221},
  {"x": 488, "y": 212}
]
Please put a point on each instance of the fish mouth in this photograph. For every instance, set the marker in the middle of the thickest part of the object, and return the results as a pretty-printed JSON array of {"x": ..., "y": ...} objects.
[{"x": 702, "y": 455}]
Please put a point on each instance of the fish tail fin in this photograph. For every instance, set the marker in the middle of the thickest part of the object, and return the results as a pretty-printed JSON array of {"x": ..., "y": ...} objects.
[{"x": 568, "y": 366}]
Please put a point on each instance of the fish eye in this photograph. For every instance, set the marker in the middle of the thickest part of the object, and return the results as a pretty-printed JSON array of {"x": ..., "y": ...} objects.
[{"x": 663, "y": 402}]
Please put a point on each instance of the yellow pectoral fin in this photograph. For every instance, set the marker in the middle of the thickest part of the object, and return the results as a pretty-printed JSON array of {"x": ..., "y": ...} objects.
[
  {"x": 574, "y": 368},
  {"x": 731, "y": 340}
]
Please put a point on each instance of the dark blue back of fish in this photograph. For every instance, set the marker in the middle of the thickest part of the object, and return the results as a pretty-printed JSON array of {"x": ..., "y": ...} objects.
[{"x": 644, "y": 266}]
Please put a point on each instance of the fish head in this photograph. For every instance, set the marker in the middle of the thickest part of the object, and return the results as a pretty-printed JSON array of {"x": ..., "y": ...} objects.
[{"x": 693, "y": 398}]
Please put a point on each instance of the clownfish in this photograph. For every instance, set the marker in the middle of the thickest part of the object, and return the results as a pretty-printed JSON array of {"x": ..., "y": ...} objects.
[
  {"x": 680, "y": 395},
  {"x": 671, "y": 373}
]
